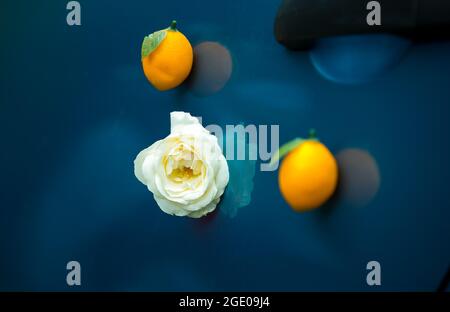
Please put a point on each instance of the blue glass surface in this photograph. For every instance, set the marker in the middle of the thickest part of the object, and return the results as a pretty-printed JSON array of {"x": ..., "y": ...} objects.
[
  {"x": 76, "y": 109},
  {"x": 355, "y": 59}
]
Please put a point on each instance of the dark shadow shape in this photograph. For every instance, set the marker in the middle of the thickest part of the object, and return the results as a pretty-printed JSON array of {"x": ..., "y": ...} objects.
[
  {"x": 300, "y": 22},
  {"x": 445, "y": 282}
]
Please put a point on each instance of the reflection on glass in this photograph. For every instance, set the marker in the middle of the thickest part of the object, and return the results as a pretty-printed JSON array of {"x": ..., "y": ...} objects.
[
  {"x": 211, "y": 70},
  {"x": 238, "y": 193},
  {"x": 358, "y": 58},
  {"x": 359, "y": 177}
]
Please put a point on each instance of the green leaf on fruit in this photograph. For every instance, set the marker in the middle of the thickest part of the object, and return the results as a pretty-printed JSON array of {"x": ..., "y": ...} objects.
[
  {"x": 284, "y": 149},
  {"x": 152, "y": 41}
]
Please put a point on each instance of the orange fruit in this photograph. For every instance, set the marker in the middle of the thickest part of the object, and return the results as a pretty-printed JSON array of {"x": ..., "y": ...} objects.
[
  {"x": 167, "y": 58},
  {"x": 308, "y": 175}
]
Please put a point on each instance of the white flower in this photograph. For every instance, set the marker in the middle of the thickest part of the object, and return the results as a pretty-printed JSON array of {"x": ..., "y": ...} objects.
[{"x": 186, "y": 172}]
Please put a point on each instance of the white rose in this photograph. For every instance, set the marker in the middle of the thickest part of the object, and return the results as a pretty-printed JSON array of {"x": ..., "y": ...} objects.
[{"x": 186, "y": 172}]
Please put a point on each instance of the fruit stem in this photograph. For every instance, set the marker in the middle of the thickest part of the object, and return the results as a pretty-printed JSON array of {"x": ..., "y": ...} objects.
[
  {"x": 173, "y": 25},
  {"x": 312, "y": 134}
]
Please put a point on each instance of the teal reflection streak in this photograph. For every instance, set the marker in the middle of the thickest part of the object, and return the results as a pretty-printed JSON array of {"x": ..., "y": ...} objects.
[{"x": 238, "y": 193}]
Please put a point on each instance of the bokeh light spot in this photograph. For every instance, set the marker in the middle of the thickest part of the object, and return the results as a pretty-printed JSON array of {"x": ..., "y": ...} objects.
[
  {"x": 359, "y": 176},
  {"x": 211, "y": 70}
]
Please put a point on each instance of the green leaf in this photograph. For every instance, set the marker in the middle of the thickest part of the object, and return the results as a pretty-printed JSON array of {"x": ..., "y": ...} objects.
[
  {"x": 289, "y": 146},
  {"x": 152, "y": 41},
  {"x": 284, "y": 149}
]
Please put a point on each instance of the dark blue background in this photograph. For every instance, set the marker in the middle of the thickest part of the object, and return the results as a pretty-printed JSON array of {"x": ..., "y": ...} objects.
[{"x": 76, "y": 109}]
